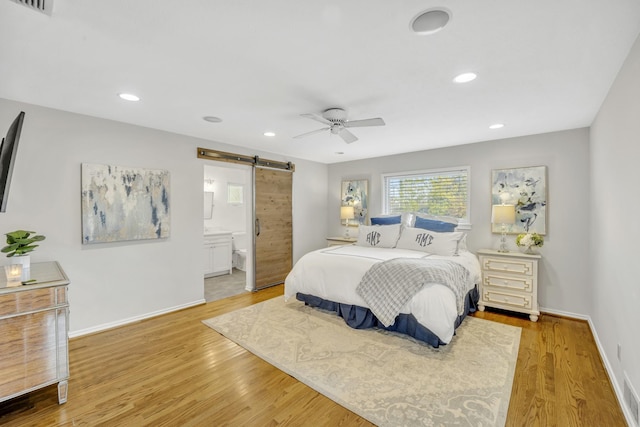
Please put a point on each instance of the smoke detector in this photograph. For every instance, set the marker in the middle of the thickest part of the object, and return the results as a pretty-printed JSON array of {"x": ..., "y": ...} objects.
[{"x": 430, "y": 21}]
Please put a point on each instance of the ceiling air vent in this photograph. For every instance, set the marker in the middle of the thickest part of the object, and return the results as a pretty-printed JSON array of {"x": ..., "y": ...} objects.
[{"x": 44, "y": 6}]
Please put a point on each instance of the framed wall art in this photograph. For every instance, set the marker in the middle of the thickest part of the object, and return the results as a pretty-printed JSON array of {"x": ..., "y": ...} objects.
[
  {"x": 124, "y": 203},
  {"x": 526, "y": 188},
  {"x": 354, "y": 193}
]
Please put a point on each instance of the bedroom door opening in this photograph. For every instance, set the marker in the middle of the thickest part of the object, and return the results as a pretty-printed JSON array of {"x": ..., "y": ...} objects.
[
  {"x": 268, "y": 211},
  {"x": 228, "y": 218}
]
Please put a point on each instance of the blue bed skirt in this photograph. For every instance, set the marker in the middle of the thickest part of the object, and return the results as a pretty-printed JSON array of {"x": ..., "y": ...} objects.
[{"x": 362, "y": 318}]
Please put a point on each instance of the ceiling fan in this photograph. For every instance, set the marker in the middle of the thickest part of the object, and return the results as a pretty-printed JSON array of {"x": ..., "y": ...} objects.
[{"x": 336, "y": 119}]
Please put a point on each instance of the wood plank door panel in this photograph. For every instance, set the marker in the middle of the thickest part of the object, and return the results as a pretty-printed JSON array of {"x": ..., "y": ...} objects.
[{"x": 273, "y": 214}]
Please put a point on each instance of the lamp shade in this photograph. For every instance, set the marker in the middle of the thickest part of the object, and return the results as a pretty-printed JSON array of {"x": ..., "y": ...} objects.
[
  {"x": 503, "y": 214},
  {"x": 346, "y": 212}
]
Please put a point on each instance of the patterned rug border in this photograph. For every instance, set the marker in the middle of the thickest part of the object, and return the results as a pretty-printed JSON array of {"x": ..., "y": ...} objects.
[{"x": 501, "y": 413}]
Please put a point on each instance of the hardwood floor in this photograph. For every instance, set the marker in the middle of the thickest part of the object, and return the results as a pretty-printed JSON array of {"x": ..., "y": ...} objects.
[{"x": 174, "y": 371}]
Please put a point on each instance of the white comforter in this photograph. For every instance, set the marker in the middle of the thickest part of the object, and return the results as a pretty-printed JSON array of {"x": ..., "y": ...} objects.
[{"x": 334, "y": 273}]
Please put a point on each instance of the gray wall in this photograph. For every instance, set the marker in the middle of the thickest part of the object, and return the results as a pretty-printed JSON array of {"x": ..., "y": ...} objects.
[
  {"x": 566, "y": 248},
  {"x": 614, "y": 227},
  {"x": 119, "y": 282}
]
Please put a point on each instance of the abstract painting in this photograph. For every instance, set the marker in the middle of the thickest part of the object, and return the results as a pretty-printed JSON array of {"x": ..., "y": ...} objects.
[
  {"x": 354, "y": 193},
  {"x": 124, "y": 203},
  {"x": 526, "y": 188}
]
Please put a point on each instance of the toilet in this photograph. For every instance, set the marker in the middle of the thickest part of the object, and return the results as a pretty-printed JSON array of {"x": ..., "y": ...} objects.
[{"x": 239, "y": 245}]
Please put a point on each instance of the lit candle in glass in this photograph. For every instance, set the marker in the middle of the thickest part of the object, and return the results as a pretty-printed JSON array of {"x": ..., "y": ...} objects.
[{"x": 14, "y": 274}]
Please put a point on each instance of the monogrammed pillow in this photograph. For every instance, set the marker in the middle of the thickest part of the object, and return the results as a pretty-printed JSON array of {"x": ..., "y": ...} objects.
[
  {"x": 378, "y": 236},
  {"x": 419, "y": 239}
]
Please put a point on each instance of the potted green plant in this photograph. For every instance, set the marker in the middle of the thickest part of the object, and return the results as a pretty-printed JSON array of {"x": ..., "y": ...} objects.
[{"x": 20, "y": 244}]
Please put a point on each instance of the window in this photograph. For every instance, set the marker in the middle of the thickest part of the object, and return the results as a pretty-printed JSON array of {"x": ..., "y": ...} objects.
[
  {"x": 235, "y": 194},
  {"x": 442, "y": 192}
]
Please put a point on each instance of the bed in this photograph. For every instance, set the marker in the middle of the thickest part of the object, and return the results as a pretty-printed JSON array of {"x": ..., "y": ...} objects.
[{"x": 340, "y": 279}]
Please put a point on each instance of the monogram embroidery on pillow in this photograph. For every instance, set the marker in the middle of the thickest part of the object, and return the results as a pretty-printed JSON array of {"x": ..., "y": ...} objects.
[
  {"x": 424, "y": 239},
  {"x": 373, "y": 238}
]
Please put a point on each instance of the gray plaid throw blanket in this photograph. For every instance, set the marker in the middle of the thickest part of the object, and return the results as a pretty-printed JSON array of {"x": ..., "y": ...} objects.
[{"x": 389, "y": 285}]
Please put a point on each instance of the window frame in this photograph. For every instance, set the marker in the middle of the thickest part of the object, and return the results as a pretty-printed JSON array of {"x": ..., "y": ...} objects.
[{"x": 464, "y": 223}]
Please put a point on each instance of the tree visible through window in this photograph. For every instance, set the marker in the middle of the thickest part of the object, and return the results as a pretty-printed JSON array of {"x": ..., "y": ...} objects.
[{"x": 443, "y": 192}]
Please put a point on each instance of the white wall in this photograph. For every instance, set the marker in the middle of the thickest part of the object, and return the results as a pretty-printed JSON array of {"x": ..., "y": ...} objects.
[
  {"x": 614, "y": 228},
  {"x": 113, "y": 283},
  {"x": 562, "y": 274}
]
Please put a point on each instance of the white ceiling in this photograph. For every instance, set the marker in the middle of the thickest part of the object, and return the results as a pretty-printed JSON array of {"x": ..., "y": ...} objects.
[{"x": 542, "y": 66}]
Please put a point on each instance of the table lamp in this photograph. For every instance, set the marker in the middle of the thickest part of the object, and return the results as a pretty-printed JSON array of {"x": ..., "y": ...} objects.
[
  {"x": 346, "y": 213},
  {"x": 503, "y": 215}
]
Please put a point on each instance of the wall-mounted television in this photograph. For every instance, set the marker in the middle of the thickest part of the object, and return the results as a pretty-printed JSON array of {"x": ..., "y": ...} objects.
[{"x": 8, "y": 151}]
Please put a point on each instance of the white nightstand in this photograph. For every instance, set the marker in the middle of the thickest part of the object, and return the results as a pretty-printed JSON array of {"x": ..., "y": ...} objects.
[
  {"x": 509, "y": 281},
  {"x": 338, "y": 241}
]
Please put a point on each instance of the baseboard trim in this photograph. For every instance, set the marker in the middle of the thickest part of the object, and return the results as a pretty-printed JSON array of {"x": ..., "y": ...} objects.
[
  {"x": 111, "y": 325},
  {"x": 561, "y": 313}
]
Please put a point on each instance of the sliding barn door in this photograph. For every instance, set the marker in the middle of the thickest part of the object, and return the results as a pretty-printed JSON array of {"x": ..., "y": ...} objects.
[{"x": 273, "y": 226}]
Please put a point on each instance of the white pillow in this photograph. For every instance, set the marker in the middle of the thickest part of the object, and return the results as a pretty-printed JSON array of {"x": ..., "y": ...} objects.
[
  {"x": 378, "y": 236},
  {"x": 462, "y": 243},
  {"x": 419, "y": 239}
]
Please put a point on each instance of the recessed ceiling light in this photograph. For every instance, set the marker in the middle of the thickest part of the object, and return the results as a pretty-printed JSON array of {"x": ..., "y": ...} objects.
[
  {"x": 212, "y": 119},
  {"x": 129, "y": 97},
  {"x": 496, "y": 126},
  {"x": 430, "y": 21},
  {"x": 339, "y": 152},
  {"x": 269, "y": 134},
  {"x": 465, "y": 77}
]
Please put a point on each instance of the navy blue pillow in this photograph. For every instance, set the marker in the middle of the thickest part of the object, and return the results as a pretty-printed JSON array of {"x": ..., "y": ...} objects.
[
  {"x": 386, "y": 220},
  {"x": 434, "y": 225}
]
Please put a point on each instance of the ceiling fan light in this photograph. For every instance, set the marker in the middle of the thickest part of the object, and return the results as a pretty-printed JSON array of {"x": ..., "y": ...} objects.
[{"x": 430, "y": 21}]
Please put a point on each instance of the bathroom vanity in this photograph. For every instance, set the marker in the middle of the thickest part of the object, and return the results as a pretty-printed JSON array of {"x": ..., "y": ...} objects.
[{"x": 217, "y": 253}]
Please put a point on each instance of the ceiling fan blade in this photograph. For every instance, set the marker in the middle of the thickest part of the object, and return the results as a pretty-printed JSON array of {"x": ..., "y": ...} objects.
[
  {"x": 313, "y": 132},
  {"x": 365, "y": 122},
  {"x": 347, "y": 136},
  {"x": 316, "y": 118}
]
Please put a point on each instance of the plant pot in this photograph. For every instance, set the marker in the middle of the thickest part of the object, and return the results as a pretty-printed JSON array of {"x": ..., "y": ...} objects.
[{"x": 24, "y": 260}]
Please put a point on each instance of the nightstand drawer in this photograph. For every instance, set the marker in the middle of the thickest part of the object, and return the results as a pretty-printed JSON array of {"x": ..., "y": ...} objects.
[
  {"x": 520, "y": 283},
  {"x": 519, "y": 266},
  {"x": 339, "y": 241},
  {"x": 505, "y": 299}
]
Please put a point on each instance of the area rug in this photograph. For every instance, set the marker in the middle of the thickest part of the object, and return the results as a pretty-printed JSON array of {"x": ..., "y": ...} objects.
[{"x": 384, "y": 377}]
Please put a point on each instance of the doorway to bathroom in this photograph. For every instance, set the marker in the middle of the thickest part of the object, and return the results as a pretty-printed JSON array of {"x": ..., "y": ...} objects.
[
  {"x": 227, "y": 226},
  {"x": 269, "y": 216}
]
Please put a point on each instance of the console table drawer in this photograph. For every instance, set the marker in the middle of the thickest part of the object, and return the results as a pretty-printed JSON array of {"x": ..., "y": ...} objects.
[
  {"x": 37, "y": 299},
  {"x": 29, "y": 351}
]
